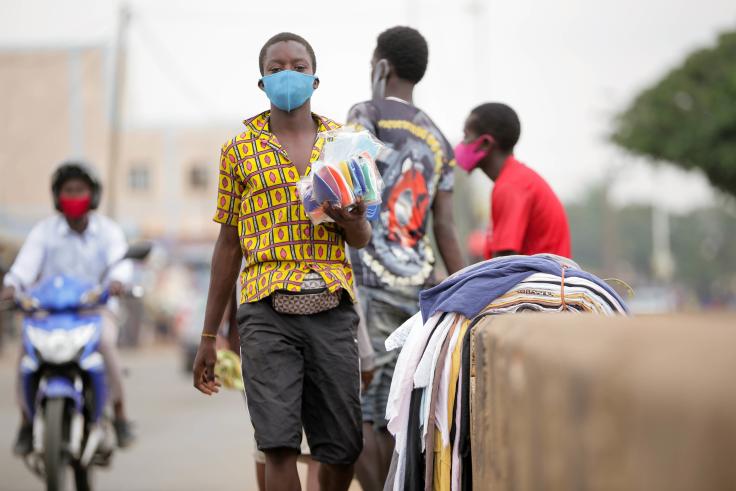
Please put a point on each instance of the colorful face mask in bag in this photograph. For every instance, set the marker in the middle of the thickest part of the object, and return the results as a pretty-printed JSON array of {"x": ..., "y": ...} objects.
[
  {"x": 371, "y": 191},
  {"x": 324, "y": 187},
  {"x": 345, "y": 171},
  {"x": 357, "y": 177},
  {"x": 343, "y": 191},
  {"x": 311, "y": 206}
]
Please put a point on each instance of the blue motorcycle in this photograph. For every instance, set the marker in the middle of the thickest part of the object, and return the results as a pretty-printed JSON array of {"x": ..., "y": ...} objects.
[{"x": 63, "y": 378}]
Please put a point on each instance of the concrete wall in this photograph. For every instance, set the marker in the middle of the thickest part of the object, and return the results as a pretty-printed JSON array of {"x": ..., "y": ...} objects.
[{"x": 571, "y": 402}]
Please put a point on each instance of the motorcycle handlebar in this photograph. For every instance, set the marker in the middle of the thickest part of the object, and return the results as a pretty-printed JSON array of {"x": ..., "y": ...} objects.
[{"x": 100, "y": 297}]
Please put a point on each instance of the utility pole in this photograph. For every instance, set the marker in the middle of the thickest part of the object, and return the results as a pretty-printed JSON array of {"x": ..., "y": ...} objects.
[
  {"x": 118, "y": 85},
  {"x": 76, "y": 102},
  {"x": 663, "y": 263}
]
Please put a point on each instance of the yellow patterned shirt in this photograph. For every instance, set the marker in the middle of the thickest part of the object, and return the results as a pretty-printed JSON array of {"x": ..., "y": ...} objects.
[{"x": 257, "y": 193}]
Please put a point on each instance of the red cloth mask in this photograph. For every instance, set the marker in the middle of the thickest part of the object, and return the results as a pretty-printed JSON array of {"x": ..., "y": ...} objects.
[
  {"x": 74, "y": 207},
  {"x": 469, "y": 155}
]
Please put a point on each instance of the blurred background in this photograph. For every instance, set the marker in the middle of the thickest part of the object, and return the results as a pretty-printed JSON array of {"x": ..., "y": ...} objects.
[{"x": 627, "y": 109}]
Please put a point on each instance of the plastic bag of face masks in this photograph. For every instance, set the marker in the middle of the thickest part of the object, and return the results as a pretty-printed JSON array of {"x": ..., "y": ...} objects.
[{"x": 345, "y": 173}]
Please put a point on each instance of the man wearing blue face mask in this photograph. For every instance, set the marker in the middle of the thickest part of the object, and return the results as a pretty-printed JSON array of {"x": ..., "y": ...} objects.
[{"x": 296, "y": 320}]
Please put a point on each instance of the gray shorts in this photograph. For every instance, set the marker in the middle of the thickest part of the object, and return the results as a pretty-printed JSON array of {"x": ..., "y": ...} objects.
[
  {"x": 303, "y": 371},
  {"x": 383, "y": 311}
]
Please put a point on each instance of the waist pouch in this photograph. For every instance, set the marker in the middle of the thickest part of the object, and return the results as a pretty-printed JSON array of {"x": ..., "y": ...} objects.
[{"x": 313, "y": 298}]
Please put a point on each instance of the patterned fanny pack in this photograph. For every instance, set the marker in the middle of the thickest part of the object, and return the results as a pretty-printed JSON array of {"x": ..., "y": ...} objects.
[{"x": 313, "y": 298}]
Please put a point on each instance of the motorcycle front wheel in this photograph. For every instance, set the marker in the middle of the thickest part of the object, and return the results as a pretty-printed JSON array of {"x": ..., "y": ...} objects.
[{"x": 55, "y": 458}]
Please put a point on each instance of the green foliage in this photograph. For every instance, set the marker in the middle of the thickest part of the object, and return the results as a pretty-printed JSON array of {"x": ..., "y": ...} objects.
[
  {"x": 702, "y": 244},
  {"x": 609, "y": 241},
  {"x": 689, "y": 117},
  {"x": 617, "y": 242}
]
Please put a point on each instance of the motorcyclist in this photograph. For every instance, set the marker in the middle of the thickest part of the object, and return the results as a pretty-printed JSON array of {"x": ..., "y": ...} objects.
[{"x": 80, "y": 243}]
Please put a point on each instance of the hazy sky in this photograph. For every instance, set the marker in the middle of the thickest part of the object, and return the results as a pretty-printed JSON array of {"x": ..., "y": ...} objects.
[{"x": 566, "y": 66}]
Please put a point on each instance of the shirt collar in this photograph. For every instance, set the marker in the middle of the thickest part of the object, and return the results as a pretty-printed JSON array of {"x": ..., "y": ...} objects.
[
  {"x": 398, "y": 99},
  {"x": 509, "y": 162},
  {"x": 260, "y": 125},
  {"x": 63, "y": 228}
]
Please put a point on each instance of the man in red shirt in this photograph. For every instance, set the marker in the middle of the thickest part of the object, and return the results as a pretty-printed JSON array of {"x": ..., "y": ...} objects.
[{"x": 526, "y": 215}]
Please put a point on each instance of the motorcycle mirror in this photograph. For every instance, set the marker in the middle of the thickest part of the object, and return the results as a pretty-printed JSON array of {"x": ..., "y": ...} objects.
[{"x": 139, "y": 251}]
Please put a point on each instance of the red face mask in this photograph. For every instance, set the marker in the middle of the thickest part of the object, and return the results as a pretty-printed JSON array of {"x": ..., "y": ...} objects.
[{"x": 74, "y": 207}]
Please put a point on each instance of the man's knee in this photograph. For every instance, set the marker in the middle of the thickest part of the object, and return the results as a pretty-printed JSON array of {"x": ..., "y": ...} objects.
[
  {"x": 281, "y": 456},
  {"x": 338, "y": 468}
]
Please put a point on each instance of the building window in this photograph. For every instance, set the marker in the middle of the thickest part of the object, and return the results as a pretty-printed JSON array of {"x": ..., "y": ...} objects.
[
  {"x": 198, "y": 177},
  {"x": 139, "y": 178}
]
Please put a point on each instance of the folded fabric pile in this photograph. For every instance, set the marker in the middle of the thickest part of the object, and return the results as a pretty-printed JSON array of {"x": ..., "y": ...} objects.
[{"x": 428, "y": 407}]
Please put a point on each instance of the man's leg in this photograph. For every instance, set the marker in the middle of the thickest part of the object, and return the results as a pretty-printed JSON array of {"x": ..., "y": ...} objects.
[
  {"x": 260, "y": 460},
  {"x": 335, "y": 477},
  {"x": 331, "y": 401},
  {"x": 313, "y": 475},
  {"x": 281, "y": 474},
  {"x": 24, "y": 440},
  {"x": 367, "y": 468},
  {"x": 384, "y": 439},
  {"x": 261, "y": 476},
  {"x": 386, "y": 443},
  {"x": 109, "y": 351},
  {"x": 273, "y": 372},
  {"x": 382, "y": 318}
]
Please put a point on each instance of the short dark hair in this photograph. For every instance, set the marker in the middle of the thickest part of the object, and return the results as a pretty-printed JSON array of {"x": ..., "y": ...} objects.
[
  {"x": 406, "y": 49},
  {"x": 499, "y": 121},
  {"x": 286, "y": 36}
]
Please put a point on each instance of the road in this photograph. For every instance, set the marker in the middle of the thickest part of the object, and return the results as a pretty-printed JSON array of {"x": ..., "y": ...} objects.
[{"x": 187, "y": 441}]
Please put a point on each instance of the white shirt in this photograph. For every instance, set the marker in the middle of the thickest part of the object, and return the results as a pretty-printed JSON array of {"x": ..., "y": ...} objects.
[{"x": 53, "y": 248}]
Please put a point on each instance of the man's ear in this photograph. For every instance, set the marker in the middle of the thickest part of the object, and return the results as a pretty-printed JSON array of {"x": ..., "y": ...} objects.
[
  {"x": 383, "y": 69},
  {"x": 381, "y": 72},
  {"x": 315, "y": 85},
  {"x": 487, "y": 143},
  {"x": 260, "y": 84}
]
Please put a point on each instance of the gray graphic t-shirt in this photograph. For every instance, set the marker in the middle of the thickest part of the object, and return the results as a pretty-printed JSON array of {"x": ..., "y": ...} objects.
[{"x": 419, "y": 162}]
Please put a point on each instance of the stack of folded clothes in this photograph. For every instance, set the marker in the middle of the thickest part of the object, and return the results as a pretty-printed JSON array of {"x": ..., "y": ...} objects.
[{"x": 429, "y": 403}]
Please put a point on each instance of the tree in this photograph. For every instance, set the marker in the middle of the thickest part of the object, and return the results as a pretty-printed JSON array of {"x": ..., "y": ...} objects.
[
  {"x": 701, "y": 243},
  {"x": 689, "y": 117}
]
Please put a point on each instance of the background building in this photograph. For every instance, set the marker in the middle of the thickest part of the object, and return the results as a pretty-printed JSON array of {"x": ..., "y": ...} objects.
[{"x": 60, "y": 108}]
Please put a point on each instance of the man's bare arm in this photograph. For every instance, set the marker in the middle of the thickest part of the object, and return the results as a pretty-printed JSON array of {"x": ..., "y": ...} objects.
[
  {"x": 226, "y": 260},
  {"x": 445, "y": 233}
]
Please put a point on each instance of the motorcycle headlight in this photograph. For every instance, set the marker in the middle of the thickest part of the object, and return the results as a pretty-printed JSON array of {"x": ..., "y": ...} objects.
[{"x": 60, "y": 345}]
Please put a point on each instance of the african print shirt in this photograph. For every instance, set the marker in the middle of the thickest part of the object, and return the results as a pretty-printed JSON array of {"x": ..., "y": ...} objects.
[
  {"x": 257, "y": 193},
  {"x": 419, "y": 162}
]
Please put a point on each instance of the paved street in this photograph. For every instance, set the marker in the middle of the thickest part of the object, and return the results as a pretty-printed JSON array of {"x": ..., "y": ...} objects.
[{"x": 187, "y": 441}]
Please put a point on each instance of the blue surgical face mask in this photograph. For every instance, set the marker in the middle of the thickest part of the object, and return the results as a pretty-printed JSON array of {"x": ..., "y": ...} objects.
[{"x": 288, "y": 90}]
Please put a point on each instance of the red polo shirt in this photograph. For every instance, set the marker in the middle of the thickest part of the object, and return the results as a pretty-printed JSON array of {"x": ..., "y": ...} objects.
[{"x": 527, "y": 217}]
